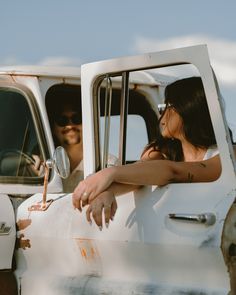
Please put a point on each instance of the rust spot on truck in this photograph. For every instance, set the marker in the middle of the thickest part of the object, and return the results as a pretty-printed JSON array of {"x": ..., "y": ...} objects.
[
  {"x": 22, "y": 243},
  {"x": 23, "y": 223},
  {"x": 88, "y": 249},
  {"x": 91, "y": 257}
]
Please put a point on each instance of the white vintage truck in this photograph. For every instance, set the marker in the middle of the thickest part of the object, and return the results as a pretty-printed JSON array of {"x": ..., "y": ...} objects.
[{"x": 177, "y": 239}]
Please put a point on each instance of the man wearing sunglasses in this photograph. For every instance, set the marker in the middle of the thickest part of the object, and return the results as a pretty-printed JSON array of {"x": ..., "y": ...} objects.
[{"x": 65, "y": 115}]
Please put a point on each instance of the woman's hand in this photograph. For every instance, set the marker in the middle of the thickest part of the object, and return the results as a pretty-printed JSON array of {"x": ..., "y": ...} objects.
[
  {"x": 88, "y": 189},
  {"x": 105, "y": 204}
]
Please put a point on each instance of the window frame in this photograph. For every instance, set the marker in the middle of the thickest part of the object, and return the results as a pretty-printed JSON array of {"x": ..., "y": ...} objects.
[
  {"x": 128, "y": 94},
  {"x": 10, "y": 183}
]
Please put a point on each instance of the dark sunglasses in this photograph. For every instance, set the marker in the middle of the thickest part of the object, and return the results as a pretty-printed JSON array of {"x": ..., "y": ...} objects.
[{"x": 63, "y": 121}]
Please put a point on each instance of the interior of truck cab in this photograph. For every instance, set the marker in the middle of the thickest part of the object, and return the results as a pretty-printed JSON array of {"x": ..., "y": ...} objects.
[
  {"x": 19, "y": 143},
  {"x": 142, "y": 122}
]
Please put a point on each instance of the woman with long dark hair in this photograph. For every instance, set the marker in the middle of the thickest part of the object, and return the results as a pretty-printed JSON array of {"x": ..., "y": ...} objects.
[
  {"x": 184, "y": 151},
  {"x": 186, "y": 99}
]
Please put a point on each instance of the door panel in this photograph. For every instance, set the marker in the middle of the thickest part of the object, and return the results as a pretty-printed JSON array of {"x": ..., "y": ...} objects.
[
  {"x": 138, "y": 251},
  {"x": 176, "y": 239}
]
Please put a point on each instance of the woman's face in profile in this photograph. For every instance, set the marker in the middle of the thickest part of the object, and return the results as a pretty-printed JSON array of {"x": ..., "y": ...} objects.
[{"x": 171, "y": 124}]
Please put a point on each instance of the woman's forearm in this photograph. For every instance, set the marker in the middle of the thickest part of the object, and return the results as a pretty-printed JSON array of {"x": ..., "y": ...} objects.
[
  {"x": 122, "y": 188},
  {"x": 162, "y": 172},
  {"x": 156, "y": 172}
]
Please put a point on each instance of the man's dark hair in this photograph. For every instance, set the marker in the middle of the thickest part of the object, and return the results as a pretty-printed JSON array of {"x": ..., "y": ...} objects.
[{"x": 60, "y": 96}]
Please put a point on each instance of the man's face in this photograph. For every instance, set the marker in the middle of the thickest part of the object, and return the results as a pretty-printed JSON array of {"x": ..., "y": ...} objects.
[{"x": 68, "y": 128}]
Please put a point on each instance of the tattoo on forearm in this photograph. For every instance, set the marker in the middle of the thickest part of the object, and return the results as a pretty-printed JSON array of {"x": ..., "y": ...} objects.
[
  {"x": 203, "y": 165},
  {"x": 190, "y": 177}
]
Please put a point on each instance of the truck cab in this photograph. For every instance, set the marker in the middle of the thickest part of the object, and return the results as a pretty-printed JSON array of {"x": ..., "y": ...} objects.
[{"x": 145, "y": 250}]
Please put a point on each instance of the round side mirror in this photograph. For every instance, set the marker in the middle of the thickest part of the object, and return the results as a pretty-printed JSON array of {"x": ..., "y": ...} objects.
[{"x": 60, "y": 162}]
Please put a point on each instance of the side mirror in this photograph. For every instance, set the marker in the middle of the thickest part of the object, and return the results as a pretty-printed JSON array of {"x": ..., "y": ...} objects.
[{"x": 60, "y": 162}]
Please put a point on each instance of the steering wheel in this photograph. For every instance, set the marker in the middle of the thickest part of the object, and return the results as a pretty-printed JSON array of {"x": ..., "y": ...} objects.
[{"x": 14, "y": 162}]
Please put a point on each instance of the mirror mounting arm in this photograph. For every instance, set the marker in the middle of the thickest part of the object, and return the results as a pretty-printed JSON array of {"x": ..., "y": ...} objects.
[
  {"x": 44, "y": 204},
  {"x": 61, "y": 164}
]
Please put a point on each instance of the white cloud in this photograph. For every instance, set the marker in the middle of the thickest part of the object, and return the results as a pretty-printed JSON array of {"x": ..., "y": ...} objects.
[
  {"x": 60, "y": 61},
  {"x": 222, "y": 52}
]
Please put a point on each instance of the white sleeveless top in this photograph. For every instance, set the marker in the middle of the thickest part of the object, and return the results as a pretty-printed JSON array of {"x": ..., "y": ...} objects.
[{"x": 211, "y": 152}]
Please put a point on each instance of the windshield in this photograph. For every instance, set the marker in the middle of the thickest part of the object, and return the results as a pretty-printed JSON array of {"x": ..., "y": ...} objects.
[{"x": 20, "y": 154}]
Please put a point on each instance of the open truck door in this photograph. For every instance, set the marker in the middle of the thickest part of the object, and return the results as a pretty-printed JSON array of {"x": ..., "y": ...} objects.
[{"x": 165, "y": 239}]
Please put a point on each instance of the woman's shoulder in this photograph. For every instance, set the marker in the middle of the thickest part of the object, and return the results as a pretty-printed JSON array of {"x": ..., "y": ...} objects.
[{"x": 152, "y": 154}]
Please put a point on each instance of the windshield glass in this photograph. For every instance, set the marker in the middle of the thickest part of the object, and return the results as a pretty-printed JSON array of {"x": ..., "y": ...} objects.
[{"x": 20, "y": 154}]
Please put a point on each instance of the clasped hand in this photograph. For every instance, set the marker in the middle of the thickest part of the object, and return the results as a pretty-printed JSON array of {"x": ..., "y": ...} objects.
[
  {"x": 92, "y": 191},
  {"x": 105, "y": 204}
]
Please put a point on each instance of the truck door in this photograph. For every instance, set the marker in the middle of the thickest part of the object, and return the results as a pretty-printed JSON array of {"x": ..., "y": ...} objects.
[{"x": 171, "y": 236}]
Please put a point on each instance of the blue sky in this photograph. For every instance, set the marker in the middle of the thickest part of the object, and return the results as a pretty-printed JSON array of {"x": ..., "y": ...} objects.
[{"x": 72, "y": 32}]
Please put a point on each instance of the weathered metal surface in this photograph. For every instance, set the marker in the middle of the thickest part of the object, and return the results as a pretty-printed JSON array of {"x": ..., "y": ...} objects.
[
  {"x": 93, "y": 285},
  {"x": 68, "y": 256}
]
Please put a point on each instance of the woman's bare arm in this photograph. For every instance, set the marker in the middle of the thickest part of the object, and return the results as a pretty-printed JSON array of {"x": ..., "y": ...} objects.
[
  {"x": 159, "y": 172},
  {"x": 115, "y": 188},
  {"x": 155, "y": 172},
  {"x": 129, "y": 177},
  {"x": 121, "y": 188}
]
